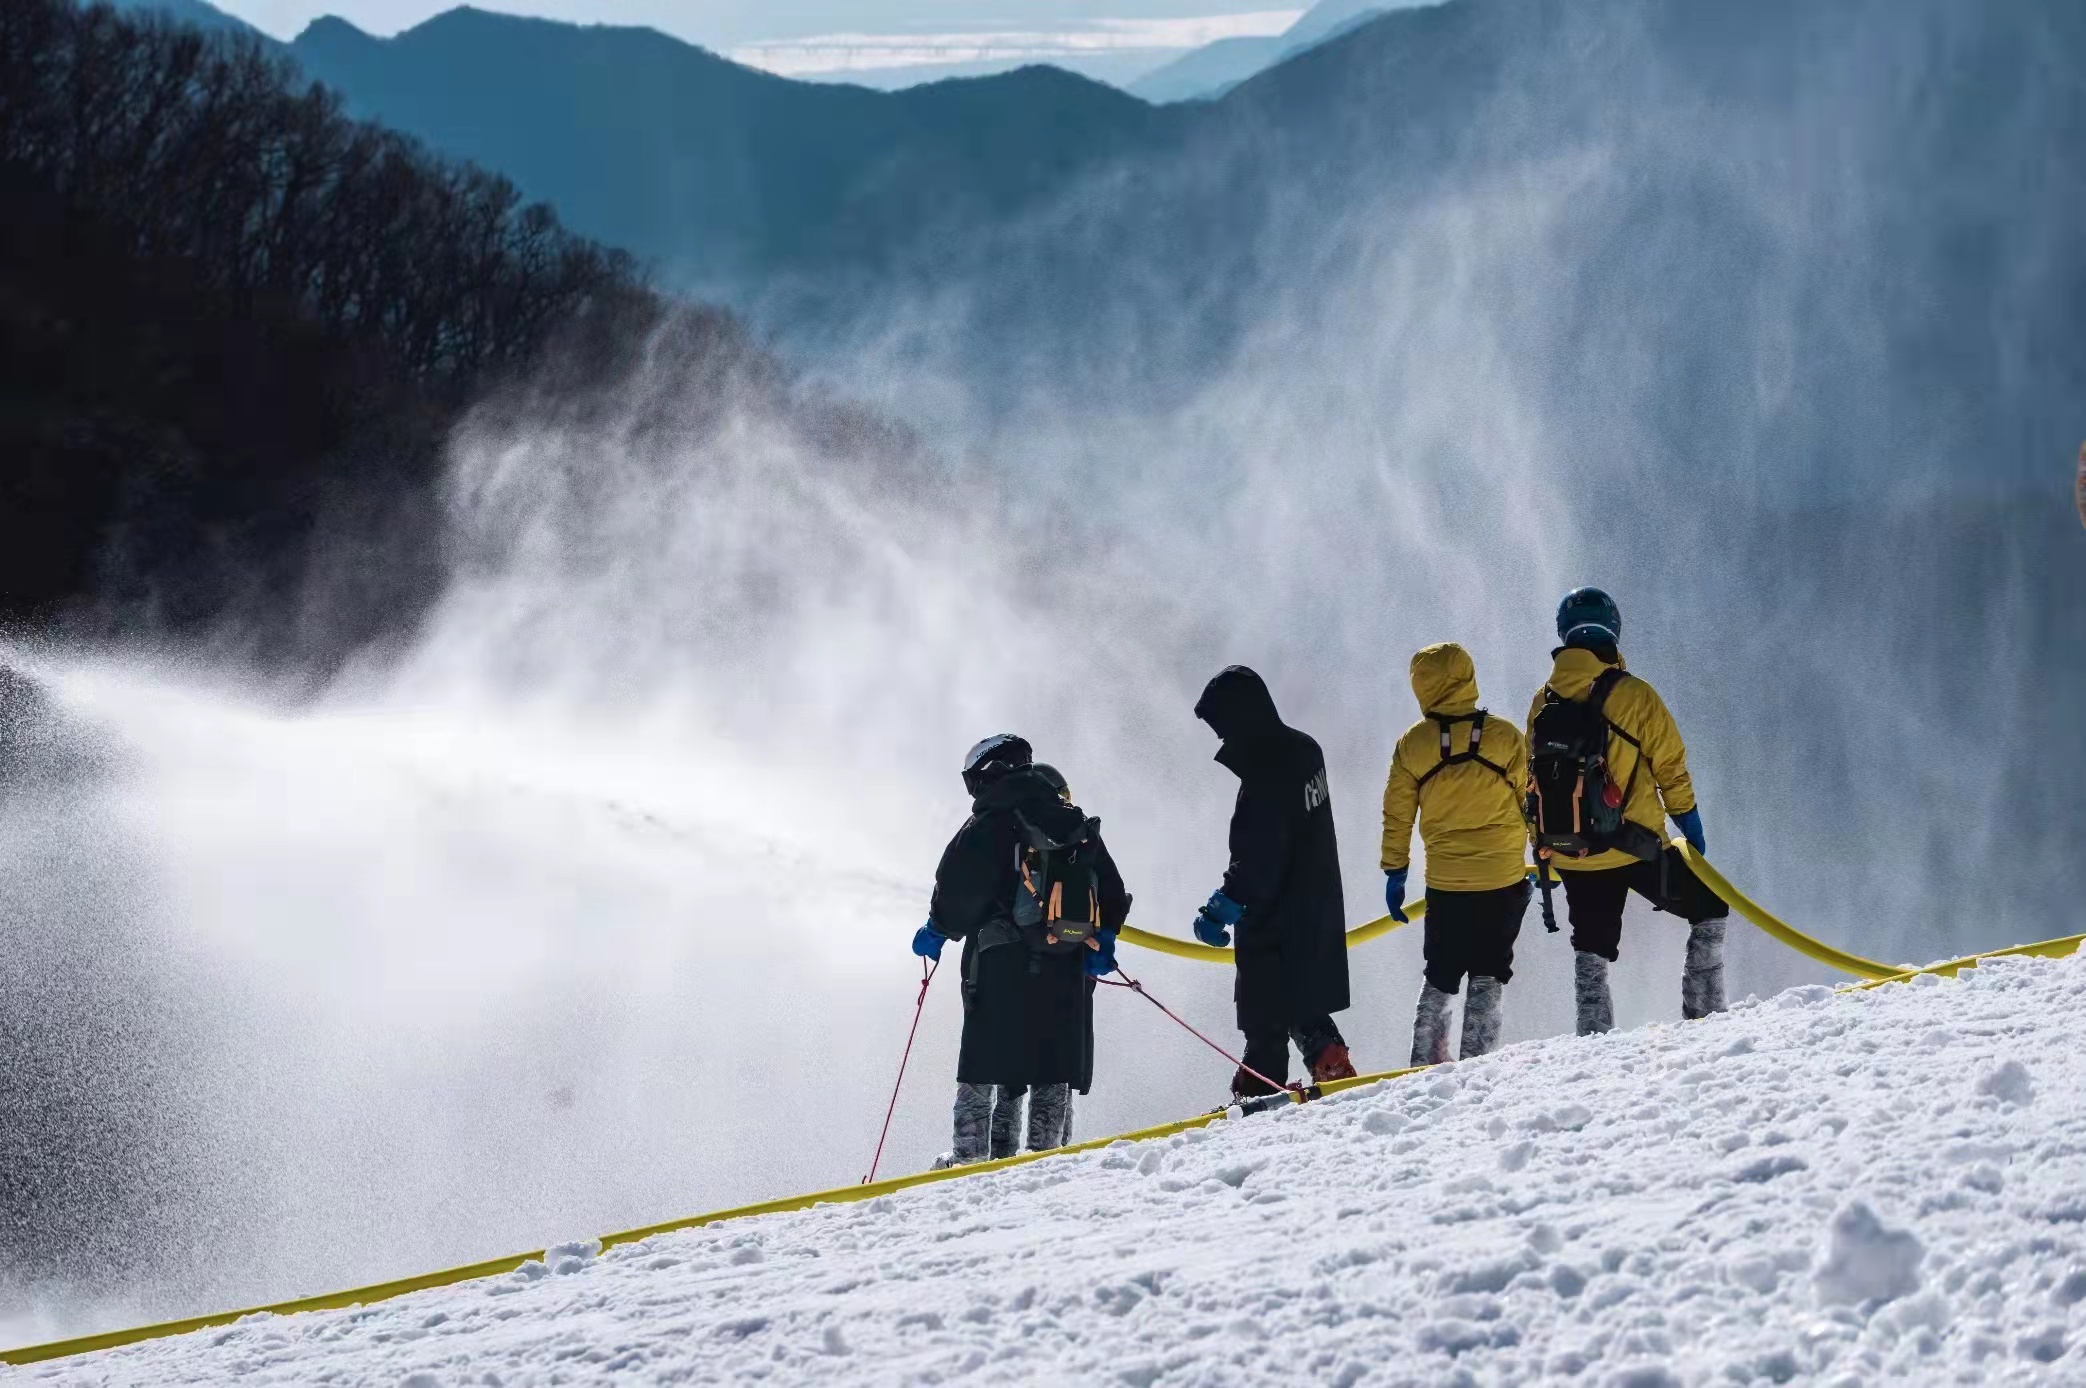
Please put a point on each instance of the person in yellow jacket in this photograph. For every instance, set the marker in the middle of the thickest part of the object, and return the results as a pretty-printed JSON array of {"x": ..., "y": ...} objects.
[
  {"x": 1644, "y": 773},
  {"x": 1460, "y": 773}
]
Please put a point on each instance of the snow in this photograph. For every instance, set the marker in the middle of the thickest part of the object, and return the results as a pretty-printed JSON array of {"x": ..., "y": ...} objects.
[
  {"x": 1868, "y": 1263},
  {"x": 1871, "y": 1187}
]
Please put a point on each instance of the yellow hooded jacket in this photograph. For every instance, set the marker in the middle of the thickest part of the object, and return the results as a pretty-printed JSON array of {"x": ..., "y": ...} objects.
[
  {"x": 1656, "y": 779},
  {"x": 1470, "y": 815}
]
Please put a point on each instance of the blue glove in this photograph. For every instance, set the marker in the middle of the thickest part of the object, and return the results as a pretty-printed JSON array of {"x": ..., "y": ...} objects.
[
  {"x": 928, "y": 942},
  {"x": 1394, "y": 892},
  {"x": 1100, "y": 962},
  {"x": 1214, "y": 921},
  {"x": 1691, "y": 830}
]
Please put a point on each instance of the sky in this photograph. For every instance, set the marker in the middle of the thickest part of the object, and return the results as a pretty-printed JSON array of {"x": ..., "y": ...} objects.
[{"x": 725, "y": 24}]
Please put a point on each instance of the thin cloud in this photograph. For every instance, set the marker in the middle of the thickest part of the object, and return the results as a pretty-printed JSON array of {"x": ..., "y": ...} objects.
[{"x": 848, "y": 52}]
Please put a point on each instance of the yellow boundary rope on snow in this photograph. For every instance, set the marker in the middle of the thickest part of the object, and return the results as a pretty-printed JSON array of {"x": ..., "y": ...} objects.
[
  {"x": 1870, "y": 971},
  {"x": 1780, "y": 929},
  {"x": 385, "y": 1291},
  {"x": 1210, "y": 954}
]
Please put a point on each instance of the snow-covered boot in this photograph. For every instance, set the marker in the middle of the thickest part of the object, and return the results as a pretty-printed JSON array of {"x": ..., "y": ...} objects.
[
  {"x": 1702, "y": 983},
  {"x": 1430, "y": 1027},
  {"x": 1590, "y": 988},
  {"x": 1065, "y": 1134},
  {"x": 973, "y": 1126},
  {"x": 1481, "y": 1016},
  {"x": 1047, "y": 1105},
  {"x": 1006, "y": 1120}
]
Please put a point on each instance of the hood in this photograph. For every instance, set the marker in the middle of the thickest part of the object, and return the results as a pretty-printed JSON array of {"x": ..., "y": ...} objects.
[
  {"x": 1237, "y": 704},
  {"x": 1445, "y": 679},
  {"x": 1573, "y": 671}
]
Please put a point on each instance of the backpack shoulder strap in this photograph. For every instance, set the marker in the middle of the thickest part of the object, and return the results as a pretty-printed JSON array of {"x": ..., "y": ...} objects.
[
  {"x": 1472, "y": 753},
  {"x": 1604, "y": 685},
  {"x": 1477, "y": 744},
  {"x": 1477, "y": 754},
  {"x": 1597, "y": 700},
  {"x": 1442, "y": 723}
]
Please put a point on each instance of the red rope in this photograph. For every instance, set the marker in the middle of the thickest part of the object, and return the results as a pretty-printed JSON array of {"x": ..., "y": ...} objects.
[
  {"x": 919, "y": 1005},
  {"x": 1138, "y": 988}
]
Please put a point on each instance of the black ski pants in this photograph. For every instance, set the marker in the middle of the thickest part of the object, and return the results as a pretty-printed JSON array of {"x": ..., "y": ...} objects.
[
  {"x": 1268, "y": 1052},
  {"x": 1595, "y": 900},
  {"x": 1472, "y": 934}
]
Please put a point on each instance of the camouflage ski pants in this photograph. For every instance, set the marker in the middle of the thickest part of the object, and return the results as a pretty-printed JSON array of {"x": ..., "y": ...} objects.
[{"x": 989, "y": 1119}]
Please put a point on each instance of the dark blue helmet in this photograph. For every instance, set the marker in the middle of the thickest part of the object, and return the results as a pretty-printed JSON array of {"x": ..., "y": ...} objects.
[
  {"x": 1588, "y": 607},
  {"x": 994, "y": 758}
]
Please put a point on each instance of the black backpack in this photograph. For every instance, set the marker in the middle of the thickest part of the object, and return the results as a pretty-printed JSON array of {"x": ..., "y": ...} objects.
[
  {"x": 1574, "y": 803},
  {"x": 1057, "y": 903},
  {"x": 1444, "y": 722}
]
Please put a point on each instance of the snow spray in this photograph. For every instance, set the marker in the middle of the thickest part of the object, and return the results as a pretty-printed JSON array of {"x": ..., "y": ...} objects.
[{"x": 461, "y": 956}]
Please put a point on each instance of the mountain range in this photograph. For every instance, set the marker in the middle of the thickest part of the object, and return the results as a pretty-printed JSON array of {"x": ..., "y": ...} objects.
[
  {"x": 1202, "y": 72},
  {"x": 716, "y": 172},
  {"x": 1874, "y": 188}
]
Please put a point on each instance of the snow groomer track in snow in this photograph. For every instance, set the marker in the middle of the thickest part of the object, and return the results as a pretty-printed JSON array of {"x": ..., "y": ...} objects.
[{"x": 546, "y": 1262}]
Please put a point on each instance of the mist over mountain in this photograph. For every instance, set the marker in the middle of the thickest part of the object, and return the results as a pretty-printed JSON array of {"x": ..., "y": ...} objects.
[
  {"x": 1891, "y": 165},
  {"x": 1713, "y": 208}
]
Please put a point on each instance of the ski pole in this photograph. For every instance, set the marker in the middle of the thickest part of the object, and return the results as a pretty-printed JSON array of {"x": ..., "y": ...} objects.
[
  {"x": 1138, "y": 988},
  {"x": 919, "y": 1005},
  {"x": 1544, "y": 880}
]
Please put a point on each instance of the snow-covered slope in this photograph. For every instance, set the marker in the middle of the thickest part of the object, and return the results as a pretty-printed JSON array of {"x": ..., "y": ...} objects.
[{"x": 1846, "y": 1188}]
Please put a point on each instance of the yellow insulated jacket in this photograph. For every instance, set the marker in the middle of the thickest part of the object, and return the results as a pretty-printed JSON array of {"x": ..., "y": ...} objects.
[
  {"x": 1469, "y": 813},
  {"x": 1655, "y": 778}
]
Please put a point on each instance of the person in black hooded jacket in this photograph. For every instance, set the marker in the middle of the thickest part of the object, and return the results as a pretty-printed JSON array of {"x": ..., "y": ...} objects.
[
  {"x": 1028, "y": 1013},
  {"x": 1281, "y": 893}
]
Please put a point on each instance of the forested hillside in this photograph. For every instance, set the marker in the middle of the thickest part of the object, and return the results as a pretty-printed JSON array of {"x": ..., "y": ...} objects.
[{"x": 235, "y": 326}]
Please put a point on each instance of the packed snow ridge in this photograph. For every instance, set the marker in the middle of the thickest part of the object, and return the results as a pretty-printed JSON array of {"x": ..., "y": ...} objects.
[{"x": 1828, "y": 1187}]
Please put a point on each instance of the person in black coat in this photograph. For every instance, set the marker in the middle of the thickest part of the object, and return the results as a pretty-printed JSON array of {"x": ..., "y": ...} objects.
[
  {"x": 1028, "y": 1014},
  {"x": 1281, "y": 893}
]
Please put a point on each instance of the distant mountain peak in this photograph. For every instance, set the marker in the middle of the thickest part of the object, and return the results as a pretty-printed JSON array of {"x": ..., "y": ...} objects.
[
  {"x": 331, "y": 28},
  {"x": 1039, "y": 76}
]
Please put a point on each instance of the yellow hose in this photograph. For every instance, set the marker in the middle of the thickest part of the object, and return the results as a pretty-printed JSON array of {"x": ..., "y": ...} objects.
[
  {"x": 1871, "y": 971},
  {"x": 1868, "y": 970},
  {"x": 1210, "y": 954},
  {"x": 495, "y": 1267},
  {"x": 2041, "y": 949},
  {"x": 1779, "y": 928}
]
